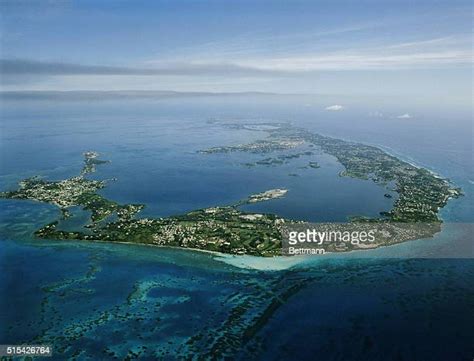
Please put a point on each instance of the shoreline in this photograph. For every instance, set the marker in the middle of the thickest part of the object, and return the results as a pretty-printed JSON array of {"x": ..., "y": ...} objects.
[
  {"x": 390, "y": 151},
  {"x": 236, "y": 259}
]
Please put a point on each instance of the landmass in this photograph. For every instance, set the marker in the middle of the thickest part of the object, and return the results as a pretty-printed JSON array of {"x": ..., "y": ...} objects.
[
  {"x": 421, "y": 194},
  {"x": 260, "y": 146},
  {"x": 267, "y": 195},
  {"x": 75, "y": 191},
  {"x": 228, "y": 229},
  {"x": 269, "y": 161}
]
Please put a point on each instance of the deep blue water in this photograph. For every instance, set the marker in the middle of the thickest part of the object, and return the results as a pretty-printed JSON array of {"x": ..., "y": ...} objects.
[{"x": 96, "y": 301}]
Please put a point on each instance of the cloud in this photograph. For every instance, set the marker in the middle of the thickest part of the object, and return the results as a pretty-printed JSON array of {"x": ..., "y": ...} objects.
[
  {"x": 361, "y": 61},
  {"x": 404, "y": 116},
  {"x": 91, "y": 95},
  {"x": 431, "y": 53},
  {"x": 447, "y": 51},
  {"x": 335, "y": 107},
  {"x": 32, "y": 67}
]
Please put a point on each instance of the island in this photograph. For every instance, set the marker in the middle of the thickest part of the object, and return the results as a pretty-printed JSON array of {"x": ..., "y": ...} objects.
[
  {"x": 267, "y": 195},
  {"x": 227, "y": 228}
]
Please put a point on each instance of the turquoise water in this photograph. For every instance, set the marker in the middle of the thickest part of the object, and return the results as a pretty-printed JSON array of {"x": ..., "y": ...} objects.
[{"x": 100, "y": 301}]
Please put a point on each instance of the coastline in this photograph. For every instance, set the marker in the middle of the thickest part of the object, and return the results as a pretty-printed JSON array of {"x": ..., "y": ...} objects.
[
  {"x": 392, "y": 152},
  {"x": 280, "y": 262}
]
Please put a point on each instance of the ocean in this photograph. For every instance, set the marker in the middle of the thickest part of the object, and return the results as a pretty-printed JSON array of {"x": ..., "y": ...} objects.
[{"x": 93, "y": 300}]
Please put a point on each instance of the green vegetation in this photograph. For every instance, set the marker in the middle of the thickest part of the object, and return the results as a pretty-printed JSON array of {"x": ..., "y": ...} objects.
[
  {"x": 420, "y": 193},
  {"x": 220, "y": 229},
  {"x": 90, "y": 161},
  {"x": 227, "y": 229}
]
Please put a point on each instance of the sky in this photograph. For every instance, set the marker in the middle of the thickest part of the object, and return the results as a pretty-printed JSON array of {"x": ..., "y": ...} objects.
[{"x": 370, "y": 48}]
